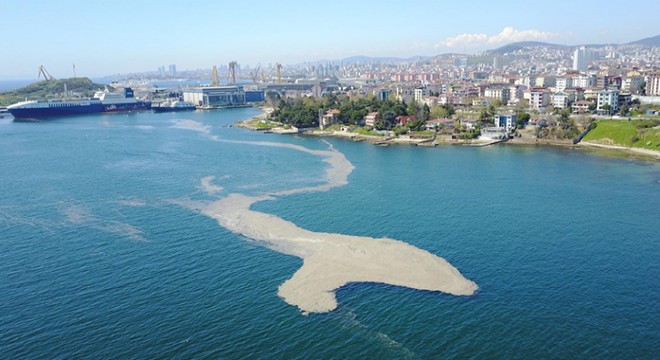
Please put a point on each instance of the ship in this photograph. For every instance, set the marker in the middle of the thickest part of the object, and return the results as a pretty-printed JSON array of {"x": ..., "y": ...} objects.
[
  {"x": 5, "y": 115},
  {"x": 103, "y": 101},
  {"x": 178, "y": 105},
  {"x": 121, "y": 101},
  {"x": 35, "y": 109}
]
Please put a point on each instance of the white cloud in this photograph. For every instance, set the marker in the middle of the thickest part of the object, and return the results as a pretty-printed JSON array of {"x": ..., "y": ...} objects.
[{"x": 508, "y": 35}]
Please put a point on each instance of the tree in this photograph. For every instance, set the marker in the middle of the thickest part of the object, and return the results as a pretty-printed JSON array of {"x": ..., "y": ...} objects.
[
  {"x": 425, "y": 113},
  {"x": 386, "y": 120},
  {"x": 414, "y": 108},
  {"x": 624, "y": 109},
  {"x": 564, "y": 116},
  {"x": 607, "y": 108},
  {"x": 523, "y": 118},
  {"x": 592, "y": 106}
]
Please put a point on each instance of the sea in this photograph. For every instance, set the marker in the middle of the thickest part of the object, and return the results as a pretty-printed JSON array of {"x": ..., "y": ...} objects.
[{"x": 102, "y": 258}]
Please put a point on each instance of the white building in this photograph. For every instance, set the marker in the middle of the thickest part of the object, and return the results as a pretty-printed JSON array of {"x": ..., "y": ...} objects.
[
  {"x": 584, "y": 81},
  {"x": 653, "y": 85},
  {"x": 562, "y": 83},
  {"x": 506, "y": 121},
  {"x": 561, "y": 99},
  {"x": 632, "y": 83},
  {"x": 211, "y": 97},
  {"x": 580, "y": 61},
  {"x": 609, "y": 97},
  {"x": 501, "y": 93},
  {"x": 418, "y": 95},
  {"x": 539, "y": 99}
]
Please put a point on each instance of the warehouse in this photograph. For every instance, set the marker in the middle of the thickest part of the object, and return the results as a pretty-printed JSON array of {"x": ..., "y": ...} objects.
[{"x": 212, "y": 97}]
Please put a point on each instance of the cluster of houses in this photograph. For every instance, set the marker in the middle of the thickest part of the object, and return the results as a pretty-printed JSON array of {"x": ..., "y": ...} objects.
[{"x": 503, "y": 124}]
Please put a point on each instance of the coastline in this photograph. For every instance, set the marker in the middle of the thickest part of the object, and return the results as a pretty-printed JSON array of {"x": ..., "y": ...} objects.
[
  {"x": 252, "y": 124},
  {"x": 637, "y": 151}
]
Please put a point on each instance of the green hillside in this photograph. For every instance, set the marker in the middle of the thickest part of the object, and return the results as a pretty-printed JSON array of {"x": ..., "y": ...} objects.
[
  {"x": 50, "y": 89},
  {"x": 638, "y": 133}
]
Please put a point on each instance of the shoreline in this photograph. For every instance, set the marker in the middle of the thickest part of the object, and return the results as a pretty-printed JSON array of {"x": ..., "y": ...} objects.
[{"x": 638, "y": 153}]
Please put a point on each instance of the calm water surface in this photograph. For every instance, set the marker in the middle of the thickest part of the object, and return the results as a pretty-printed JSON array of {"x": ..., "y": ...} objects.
[{"x": 98, "y": 259}]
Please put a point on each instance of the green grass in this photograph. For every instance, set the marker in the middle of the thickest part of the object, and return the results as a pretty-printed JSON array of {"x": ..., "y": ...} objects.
[{"x": 638, "y": 133}]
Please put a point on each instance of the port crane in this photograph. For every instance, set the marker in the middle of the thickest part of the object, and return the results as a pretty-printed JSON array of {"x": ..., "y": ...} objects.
[
  {"x": 42, "y": 71},
  {"x": 255, "y": 74},
  {"x": 215, "y": 77},
  {"x": 279, "y": 73},
  {"x": 232, "y": 72}
]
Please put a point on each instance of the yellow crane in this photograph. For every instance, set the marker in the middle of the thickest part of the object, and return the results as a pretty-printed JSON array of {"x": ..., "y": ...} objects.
[
  {"x": 215, "y": 77},
  {"x": 279, "y": 73}
]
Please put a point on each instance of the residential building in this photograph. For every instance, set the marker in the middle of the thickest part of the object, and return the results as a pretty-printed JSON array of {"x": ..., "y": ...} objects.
[
  {"x": 632, "y": 83},
  {"x": 653, "y": 85},
  {"x": 584, "y": 81},
  {"x": 418, "y": 93},
  {"x": 507, "y": 121},
  {"x": 608, "y": 101},
  {"x": 562, "y": 99},
  {"x": 329, "y": 118},
  {"x": 370, "y": 119},
  {"x": 439, "y": 123},
  {"x": 581, "y": 106},
  {"x": 545, "y": 81},
  {"x": 539, "y": 98},
  {"x": 563, "y": 83},
  {"x": 403, "y": 120},
  {"x": 501, "y": 93}
]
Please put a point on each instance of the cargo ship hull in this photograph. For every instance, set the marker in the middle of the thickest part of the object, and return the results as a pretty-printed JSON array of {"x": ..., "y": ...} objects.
[{"x": 103, "y": 101}]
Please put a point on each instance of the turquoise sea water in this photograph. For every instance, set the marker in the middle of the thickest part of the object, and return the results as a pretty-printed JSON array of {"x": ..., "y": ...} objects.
[{"x": 98, "y": 259}]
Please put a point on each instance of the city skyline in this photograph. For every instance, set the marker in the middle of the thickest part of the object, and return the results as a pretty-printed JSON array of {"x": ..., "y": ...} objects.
[{"x": 122, "y": 37}]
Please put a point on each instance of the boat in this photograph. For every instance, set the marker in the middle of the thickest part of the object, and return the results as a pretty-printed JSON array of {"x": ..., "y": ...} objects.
[
  {"x": 103, "y": 101},
  {"x": 178, "y": 105},
  {"x": 5, "y": 114},
  {"x": 121, "y": 101},
  {"x": 48, "y": 108}
]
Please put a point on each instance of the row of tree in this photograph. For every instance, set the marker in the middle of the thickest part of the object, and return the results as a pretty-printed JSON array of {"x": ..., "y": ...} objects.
[{"x": 304, "y": 112}]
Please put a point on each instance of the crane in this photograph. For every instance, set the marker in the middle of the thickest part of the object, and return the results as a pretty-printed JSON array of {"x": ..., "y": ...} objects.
[
  {"x": 232, "y": 72},
  {"x": 255, "y": 74},
  {"x": 215, "y": 78},
  {"x": 45, "y": 73},
  {"x": 279, "y": 73}
]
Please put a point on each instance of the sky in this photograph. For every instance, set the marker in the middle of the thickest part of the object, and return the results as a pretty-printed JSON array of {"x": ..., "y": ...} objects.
[{"x": 120, "y": 36}]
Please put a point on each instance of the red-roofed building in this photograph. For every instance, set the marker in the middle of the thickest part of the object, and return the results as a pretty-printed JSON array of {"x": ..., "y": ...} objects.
[
  {"x": 329, "y": 118},
  {"x": 403, "y": 120}
]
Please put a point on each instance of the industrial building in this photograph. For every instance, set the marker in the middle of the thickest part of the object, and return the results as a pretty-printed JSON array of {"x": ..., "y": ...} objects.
[
  {"x": 252, "y": 96},
  {"x": 217, "y": 96}
]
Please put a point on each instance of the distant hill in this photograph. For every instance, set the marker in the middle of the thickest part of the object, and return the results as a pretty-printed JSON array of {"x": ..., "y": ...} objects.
[
  {"x": 650, "y": 41},
  {"x": 390, "y": 59},
  {"x": 50, "y": 89},
  {"x": 524, "y": 44}
]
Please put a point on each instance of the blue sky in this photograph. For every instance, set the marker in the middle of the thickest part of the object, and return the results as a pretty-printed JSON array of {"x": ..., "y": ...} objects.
[{"x": 118, "y": 36}]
